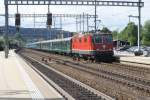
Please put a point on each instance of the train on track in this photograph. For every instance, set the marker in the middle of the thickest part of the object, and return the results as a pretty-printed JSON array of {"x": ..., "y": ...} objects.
[{"x": 94, "y": 46}]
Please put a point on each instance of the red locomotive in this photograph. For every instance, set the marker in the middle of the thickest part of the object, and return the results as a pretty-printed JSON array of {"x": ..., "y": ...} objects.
[{"x": 93, "y": 45}]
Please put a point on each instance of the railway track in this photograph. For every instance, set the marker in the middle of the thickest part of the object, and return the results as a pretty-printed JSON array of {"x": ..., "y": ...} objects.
[
  {"x": 109, "y": 73},
  {"x": 77, "y": 91},
  {"x": 134, "y": 68},
  {"x": 131, "y": 81},
  {"x": 119, "y": 65},
  {"x": 123, "y": 68}
]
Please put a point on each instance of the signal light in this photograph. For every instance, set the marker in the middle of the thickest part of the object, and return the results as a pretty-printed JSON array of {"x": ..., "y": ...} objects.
[
  {"x": 17, "y": 19},
  {"x": 49, "y": 19}
]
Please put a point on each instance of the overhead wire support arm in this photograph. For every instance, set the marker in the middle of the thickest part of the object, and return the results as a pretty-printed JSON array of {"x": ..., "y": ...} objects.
[
  {"x": 74, "y": 2},
  {"x": 133, "y": 16},
  {"x": 54, "y": 15}
]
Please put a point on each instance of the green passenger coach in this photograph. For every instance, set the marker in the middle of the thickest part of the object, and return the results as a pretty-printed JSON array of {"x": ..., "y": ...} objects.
[{"x": 55, "y": 45}]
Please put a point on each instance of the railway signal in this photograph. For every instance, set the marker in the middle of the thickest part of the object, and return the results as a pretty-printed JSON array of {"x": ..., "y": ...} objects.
[
  {"x": 49, "y": 19},
  {"x": 17, "y": 21}
]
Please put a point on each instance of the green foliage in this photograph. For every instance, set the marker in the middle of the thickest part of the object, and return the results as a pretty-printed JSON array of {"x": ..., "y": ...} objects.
[
  {"x": 115, "y": 33},
  {"x": 146, "y": 33},
  {"x": 1, "y": 43},
  {"x": 18, "y": 39},
  {"x": 105, "y": 30},
  {"x": 129, "y": 33},
  {"x": 1, "y": 40}
]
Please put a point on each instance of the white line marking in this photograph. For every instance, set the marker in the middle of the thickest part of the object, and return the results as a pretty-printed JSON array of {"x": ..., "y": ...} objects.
[{"x": 35, "y": 93}]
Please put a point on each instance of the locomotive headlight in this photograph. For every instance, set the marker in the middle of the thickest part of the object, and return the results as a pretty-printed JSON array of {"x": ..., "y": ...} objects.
[{"x": 104, "y": 46}]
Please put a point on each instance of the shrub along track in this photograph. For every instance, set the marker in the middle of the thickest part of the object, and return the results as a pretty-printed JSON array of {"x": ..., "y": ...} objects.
[{"x": 102, "y": 77}]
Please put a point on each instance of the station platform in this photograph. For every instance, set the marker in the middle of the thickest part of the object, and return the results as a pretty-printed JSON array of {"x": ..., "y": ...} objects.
[
  {"x": 131, "y": 58},
  {"x": 138, "y": 60},
  {"x": 18, "y": 81}
]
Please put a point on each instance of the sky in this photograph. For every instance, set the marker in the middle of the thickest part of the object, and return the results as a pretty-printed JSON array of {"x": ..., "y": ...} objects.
[{"x": 115, "y": 18}]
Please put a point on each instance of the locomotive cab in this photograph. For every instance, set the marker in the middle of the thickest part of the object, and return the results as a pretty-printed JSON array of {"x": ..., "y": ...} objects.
[{"x": 102, "y": 45}]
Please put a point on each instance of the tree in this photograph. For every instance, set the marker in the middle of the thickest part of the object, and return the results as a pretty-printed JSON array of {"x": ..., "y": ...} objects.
[
  {"x": 18, "y": 39},
  {"x": 129, "y": 33},
  {"x": 115, "y": 34},
  {"x": 146, "y": 33},
  {"x": 105, "y": 30}
]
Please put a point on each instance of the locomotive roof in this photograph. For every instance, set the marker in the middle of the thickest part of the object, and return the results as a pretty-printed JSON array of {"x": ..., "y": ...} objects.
[
  {"x": 81, "y": 35},
  {"x": 54, "y": 40}
]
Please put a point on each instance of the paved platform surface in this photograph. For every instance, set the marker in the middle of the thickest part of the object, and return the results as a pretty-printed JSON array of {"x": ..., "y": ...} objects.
[
  {"x": 18, "y": 81},
  {"x": 138, "y": 60},
  {"x": 130, "y": 57}
]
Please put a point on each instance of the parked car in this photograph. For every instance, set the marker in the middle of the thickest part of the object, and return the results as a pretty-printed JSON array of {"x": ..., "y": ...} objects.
[{"x": 145, "y": 51}]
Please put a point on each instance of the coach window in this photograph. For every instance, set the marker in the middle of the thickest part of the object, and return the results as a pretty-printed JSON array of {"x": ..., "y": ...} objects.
[{"x": 67, "y": 44}]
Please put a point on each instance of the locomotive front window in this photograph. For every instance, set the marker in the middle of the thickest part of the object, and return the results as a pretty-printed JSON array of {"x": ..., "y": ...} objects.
[
  {"x": 97, "y": 39},
  {"x": 109, "y": 39}
]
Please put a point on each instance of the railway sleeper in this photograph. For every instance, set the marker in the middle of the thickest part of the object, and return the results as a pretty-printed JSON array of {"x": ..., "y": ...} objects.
[
  {"x": 141, "y": 88},
  {"x": 131, "y": 85},
  {"x": 148, "y": 91}
]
